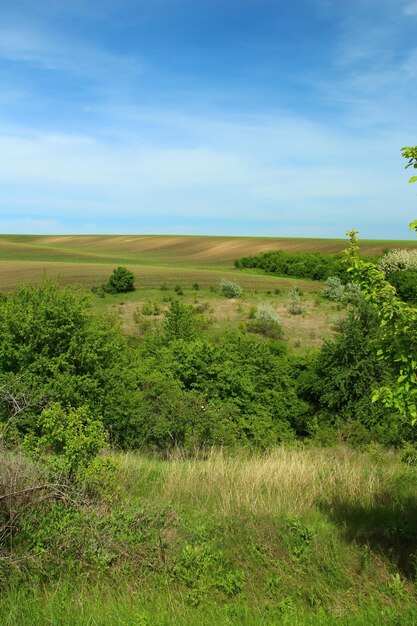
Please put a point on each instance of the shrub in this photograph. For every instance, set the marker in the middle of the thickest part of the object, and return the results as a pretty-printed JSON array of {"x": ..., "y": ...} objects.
[
  {"x": 230, "y": 289},
  {"x": 267, "y": 325},
  {"x": 295, "y": 306},
  {"x": 121, "y": 280},
  {"x": 313, "y": 265},
  {"x": 49, "y": 337},
  {"x": 147, "y": 308},
  {"x": 196, "y": 286},
  {"x": 398, "y": 260},
  {"x": 353, "y": 294},
  {"x": 266, "y": 312},
  {"x": 75, "y": 436},
  {"x": 182, "y": 321},
  {"x": 405, "y": 282},
  {"x": 341, "y": 381},
  {"x": 178, "y": 290},
  {"x": 334, "y": 289}
]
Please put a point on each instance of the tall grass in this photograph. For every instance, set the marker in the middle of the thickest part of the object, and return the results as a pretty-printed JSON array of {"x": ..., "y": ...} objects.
[
  {"x": 285, "y": 481},
  {"x": 295, "y": 536}
]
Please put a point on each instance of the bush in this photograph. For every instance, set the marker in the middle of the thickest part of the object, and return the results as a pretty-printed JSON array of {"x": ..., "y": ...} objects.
[
  {"x": 398, "y": 260},
  {"x": 295, "y": 306},
  {"x": 405, "y": 282},
  {"x": 182, "y": 321},
  {"x": 147, "y": 308},
  {"x": 121, "y": 280},
  {"x": 353, "y": 294},
  {"x": 178, "y": 290},
  {"x": 230, "y": 289},
  {"x": 51, "y": 342},
  {"x": 334, "y": 289},
  {"x": 75, "y": 436},
  {"x": 266, "y": 322},
  {"x": 341, "y": 381}
]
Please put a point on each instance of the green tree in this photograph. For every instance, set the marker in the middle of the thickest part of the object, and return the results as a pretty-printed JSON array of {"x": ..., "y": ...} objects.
[
  {"x": 52, "y": 345},
  {"x": 121, "y": 280},
  {"x": 181, "y": 321},
  {"x": 398, "y": 321}
]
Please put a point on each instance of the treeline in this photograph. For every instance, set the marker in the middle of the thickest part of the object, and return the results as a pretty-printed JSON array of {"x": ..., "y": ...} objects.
[
  {"x": 311, "y": 265},
  {"x": 177, "y": 387}
]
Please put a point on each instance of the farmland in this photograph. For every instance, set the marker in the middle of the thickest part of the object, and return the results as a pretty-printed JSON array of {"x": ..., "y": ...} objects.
[
  {"x": 169, "y": 261},
  {"x": 165, "y": 250}
]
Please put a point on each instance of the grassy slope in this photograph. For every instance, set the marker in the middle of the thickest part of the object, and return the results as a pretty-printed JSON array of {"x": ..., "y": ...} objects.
[
  {"x": 291, "y": 537},
  {"x": 169, "y": 249},
  {"x": 171, "y": 260}
]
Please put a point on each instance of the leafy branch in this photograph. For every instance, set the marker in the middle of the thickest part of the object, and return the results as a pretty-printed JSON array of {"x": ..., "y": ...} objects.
[{"x": 398, "y": 323}]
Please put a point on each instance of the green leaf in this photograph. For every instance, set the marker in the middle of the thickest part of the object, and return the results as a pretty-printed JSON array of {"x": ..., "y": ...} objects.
[{"x": 413, "y": 179}]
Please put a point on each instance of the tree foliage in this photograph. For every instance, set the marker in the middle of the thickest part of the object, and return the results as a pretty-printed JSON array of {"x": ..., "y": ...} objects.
[
  {"x": 398, "y": 322},
  {"x": 121, "y": 280},
  {"x": 410, "y": 153},
  {"x": 58, "y": 350}
]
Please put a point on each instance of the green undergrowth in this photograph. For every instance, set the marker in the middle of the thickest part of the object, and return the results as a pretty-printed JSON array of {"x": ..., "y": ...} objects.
[{"x": 295, "y": 536}]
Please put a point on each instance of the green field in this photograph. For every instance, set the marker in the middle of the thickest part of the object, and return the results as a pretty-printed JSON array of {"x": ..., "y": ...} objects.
[
  {"x": 180, "y": 260},
  {"x": 85, "y": 258}
]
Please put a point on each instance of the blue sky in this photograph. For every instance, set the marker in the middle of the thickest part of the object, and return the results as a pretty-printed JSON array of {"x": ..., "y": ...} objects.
[{"x": 249, "y": 117}]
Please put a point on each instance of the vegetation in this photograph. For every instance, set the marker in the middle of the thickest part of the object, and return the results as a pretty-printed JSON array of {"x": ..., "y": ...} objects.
[
  {"x": 230, "y": 289},
  {"x": 121, "y": 280},
  {"x": 151, "y": 460},
  {"x": 295, "y": 536},
  {"x": 312, "y": 265}
]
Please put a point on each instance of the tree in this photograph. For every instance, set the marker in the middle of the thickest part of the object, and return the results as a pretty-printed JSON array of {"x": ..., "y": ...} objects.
[
  {"x": 398, "y": 321},
  {"x": 121, "y": 280},
  {"x": 52, "y": 346},
  {"x": 182, "y": 322}
]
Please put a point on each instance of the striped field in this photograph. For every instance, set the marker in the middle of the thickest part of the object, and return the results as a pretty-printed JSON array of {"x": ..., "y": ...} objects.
[{"x": 154, "y": 259}]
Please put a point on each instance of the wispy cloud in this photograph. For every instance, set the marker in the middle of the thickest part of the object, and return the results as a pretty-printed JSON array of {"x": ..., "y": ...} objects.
[
  {"x": 102, "y": 127},
  {"x": 410, "y": 8},
  {"x": 35, "y": 47}
]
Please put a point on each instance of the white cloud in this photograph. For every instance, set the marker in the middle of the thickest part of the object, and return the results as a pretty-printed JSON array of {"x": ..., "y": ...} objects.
[
  {"x": 54, "y": 51},
  {"x": 410, "y": 8}
]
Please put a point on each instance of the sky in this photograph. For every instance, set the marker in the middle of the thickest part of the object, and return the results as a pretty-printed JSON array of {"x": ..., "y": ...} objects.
[{"x": 211, "y": 117}]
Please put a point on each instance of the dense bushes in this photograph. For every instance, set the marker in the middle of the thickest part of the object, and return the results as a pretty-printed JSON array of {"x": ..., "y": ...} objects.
[
  {"x": 398, "y": 260},
  {"x": 405, "y": 282},
  {"x": 312, "y": 265},
  {"x": 67, "y": 375},
  {"x": 339, "y": 384},
  {"x": 247, "y": 384},
  {"x": 53, "y": 349}
]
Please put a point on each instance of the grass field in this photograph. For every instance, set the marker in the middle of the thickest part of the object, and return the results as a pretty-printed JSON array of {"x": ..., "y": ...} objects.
[
  {"x": 165, "y": 250},
  {"x": 292, "y": 537},
  {"x": 85, "y": 258},
  {"x": 172, "y": 260}
]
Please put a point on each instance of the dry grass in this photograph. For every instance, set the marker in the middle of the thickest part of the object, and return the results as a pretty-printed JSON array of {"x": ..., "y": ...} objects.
[{"x": 283, "y": 482}]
